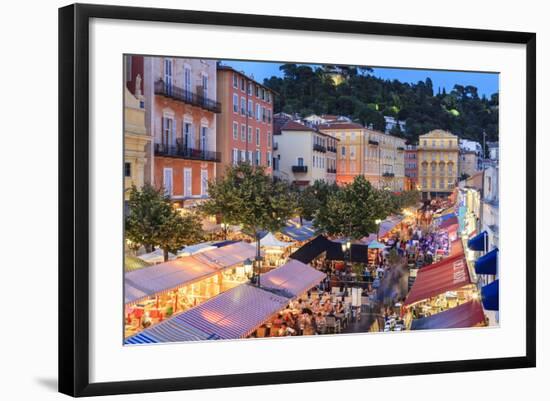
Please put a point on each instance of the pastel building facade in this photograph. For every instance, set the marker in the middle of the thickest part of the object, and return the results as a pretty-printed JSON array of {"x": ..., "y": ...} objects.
[
  {"x": 181, "y": 115},
  {"x": 137, "y": 141},
  {"x": 245, "y": 124},
  {"x": 304, "y": 155},
  {"x": 350, "y": 144},
  {"x": 384, "y": 160},
  {"x": 411, "y": 168},
  {"x": 437, "y": 163}
]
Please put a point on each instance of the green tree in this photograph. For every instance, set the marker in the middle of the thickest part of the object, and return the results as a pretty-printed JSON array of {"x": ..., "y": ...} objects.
[
  {"x": 152, "y": 221},
  {"x": 247, "y": 196},
  {"x": 311, "y": 199},
  {"x": 353, "y": 210}
]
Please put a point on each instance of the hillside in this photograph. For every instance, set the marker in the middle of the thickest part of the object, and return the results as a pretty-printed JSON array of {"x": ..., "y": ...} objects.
[{"x": 354, "y": 92}]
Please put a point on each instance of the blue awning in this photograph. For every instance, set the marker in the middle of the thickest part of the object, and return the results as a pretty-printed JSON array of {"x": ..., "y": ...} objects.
[
  {"x": 478, "y": 242},
  {"x": 446, "y": 216},
  {"x": 489, "y": 296},
  {"x": 487, "y": 264}
]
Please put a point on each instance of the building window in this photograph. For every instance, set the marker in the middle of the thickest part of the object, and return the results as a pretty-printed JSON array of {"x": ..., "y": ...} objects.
[
  {"x": 242, "y": 84},
  {"x": 263, "y": 114},
  {"x": 269, "y": 139},
  {"x": 167, "y": 181},
  {"x": 168, "y": 76},
  {"x": 257, "y": 91},
  {"x": 235, "y": 81},
  {"x": 269, "y": 115},
  {"x": 257, "y": 136},
  {"x": 187, "y": 182},
  {"x": 250, "y": 89},
  {"x": 250, "y": 108},
  {"x": 235, "y": 103},
  {"x": 300, "y": 161},
  {"x": 187, "y": 79},
  {"x": 204, "y": 182},
  {"x": 258, "y": 111},
  {"x": 441, "y": 183},
  {"x": 167, "y": 131},
  {"x": 352, "y": 152},
  {"x": 424, "y": 183},
  {"x": 258, "y": 158},
  {"x": 250, "y": 156},
  {"x": 187, "y": 135},
  {"x": 235, "y": 156},
  {"x": 243, "y": 106},
  {"x": 268, "y": 157},
  {"x": 249, "y": 134},
  {"x": 235, "y": 130},
  {"x": 243, "y": 132},
  {"x": 127, "y": 169},
  {"x": 204, "y": 136},
  {"x": 343, "y": 151}
]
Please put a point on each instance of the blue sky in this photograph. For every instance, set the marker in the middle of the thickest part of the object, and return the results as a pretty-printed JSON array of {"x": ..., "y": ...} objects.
[{"x": 487, "y": 83}]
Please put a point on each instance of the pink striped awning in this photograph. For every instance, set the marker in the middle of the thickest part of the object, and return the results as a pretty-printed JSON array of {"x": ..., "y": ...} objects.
[
  {"x": 233, "y": 314},
  {"x": 293, "y": 278},
  {"x": 155, "y": 280}
]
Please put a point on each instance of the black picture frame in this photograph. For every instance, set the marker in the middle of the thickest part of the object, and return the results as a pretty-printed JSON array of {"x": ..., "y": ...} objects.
[{"x": 74, "y": 198}]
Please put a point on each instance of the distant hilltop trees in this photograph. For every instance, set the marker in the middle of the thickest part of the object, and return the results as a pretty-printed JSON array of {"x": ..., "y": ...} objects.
[{"x": 354, "y": 92}]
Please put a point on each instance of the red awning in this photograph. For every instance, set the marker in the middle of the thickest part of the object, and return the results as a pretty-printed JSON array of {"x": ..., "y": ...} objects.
[
  {"x": 468, "y": 314},
  {"x": 449, "y": 224},
  {"x": 447, "y": 275}
]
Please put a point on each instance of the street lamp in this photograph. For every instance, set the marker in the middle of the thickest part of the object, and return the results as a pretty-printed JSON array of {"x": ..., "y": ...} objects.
[
  {"x": 377, "y": 221},
  {"x": 224, "y": 226}
]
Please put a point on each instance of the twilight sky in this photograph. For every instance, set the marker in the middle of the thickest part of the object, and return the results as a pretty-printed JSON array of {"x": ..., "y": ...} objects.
[{"x": 487, "y": 83}]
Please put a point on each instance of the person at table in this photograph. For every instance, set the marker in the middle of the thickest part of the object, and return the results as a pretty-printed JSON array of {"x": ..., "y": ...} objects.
[{"x": 339, "y": 307}]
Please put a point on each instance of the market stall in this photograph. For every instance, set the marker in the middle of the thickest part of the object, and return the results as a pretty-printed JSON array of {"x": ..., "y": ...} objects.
[
  {"x": 440, "y": 286},
  {"x": 165, "y": 289},
  {"x": 274, "y": 250},
  {"x": 469, "y": 314}
]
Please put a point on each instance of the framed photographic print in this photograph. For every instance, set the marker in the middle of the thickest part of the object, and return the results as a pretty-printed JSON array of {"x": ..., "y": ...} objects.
[{"x": 241, "y": 194}]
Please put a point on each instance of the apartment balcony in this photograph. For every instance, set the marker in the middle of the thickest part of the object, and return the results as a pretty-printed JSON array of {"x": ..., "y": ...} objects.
[
  {"x": 388, "y": 175},
  {"x": 299, "y": 169},
  {"x": 331, "y": 149},
  {"x": 182, "y": 152},
  {"x": 331, "y": 170},
  {"x": 371, "y": 142},
  {"x": 319, "y": 148},
  {"x": 187, "y": 96}
]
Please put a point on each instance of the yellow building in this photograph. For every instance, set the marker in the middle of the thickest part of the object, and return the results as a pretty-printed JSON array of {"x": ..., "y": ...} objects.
[
  {"x": 377, "y": 156},
  {"x": 437, "y": 163},
  {"x": 137, "y": 143},
  {"x": 349, "y": 160},
  {"x": 384, "y": 160}
]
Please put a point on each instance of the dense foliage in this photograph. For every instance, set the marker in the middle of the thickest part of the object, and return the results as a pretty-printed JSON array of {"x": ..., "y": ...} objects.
[
  {"x": 356, "y": 93},
  {"x": 152, "y": 221},
  {"x": 249, "y": 197}
]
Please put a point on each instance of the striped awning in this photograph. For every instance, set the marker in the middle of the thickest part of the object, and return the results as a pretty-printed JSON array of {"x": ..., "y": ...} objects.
[
  {"x": 167, "y": 331},
  {"x": 167, "y": 276},
  {"x": 233, "y": 314},
  {"x": 293, "y": 278},
  {"x": 447, "y": 275},
  {"x": 468, "y": 314}
]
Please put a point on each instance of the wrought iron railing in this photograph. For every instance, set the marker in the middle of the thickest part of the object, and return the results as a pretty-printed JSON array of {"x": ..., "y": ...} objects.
[
  {"x": 319, "y": 148},
  {"x": 186, "y": 152},
  {"x": 299, "y": 169},
  {"x": 187, "y": 96}
]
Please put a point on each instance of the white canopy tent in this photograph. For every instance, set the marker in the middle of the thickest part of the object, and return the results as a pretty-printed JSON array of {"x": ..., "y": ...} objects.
[{"x": 157, "y": 256}]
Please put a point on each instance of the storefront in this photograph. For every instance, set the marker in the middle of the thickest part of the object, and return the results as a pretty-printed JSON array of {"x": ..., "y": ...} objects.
[{"x": 441, "y": 286}]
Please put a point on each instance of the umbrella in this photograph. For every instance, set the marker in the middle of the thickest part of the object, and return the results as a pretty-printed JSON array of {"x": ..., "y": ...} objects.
[{"x": 376, "y": 245}]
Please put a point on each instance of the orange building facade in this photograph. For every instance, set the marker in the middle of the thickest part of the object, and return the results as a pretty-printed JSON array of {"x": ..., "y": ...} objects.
[
  {"x": 182, "y": 120},
  {"x": 350, "y": 145},
  {"x": 245, "y": 125}
]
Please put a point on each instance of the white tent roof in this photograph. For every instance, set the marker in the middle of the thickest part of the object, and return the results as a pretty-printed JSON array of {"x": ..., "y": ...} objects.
[
  {"x": 270, "y": 241},
  {"x": 193, "y": 249},
  {"x": 156, "y": 256}
]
